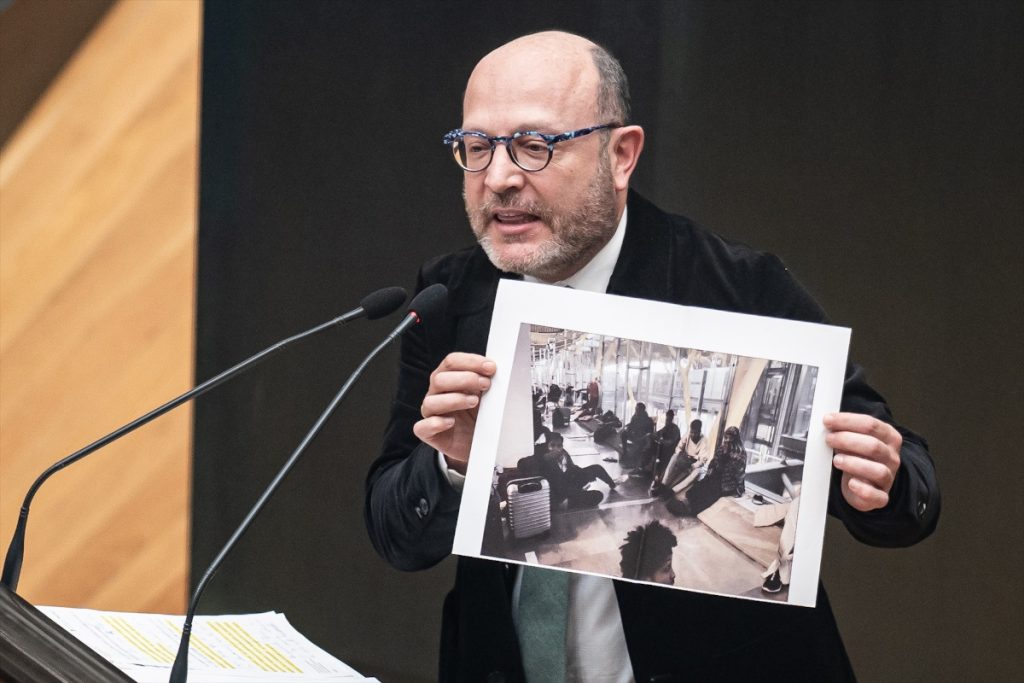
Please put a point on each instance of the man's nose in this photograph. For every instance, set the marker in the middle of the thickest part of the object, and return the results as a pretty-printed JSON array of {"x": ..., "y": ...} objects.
[{"x": 503, "y": 174}]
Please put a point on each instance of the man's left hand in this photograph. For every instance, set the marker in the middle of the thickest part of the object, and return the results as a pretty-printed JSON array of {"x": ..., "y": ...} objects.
[{"x": 867, "y": 452}]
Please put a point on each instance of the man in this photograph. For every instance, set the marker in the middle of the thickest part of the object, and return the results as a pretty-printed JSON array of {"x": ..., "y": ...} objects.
[
  {"x": 696, "y": 450},
  {"x": 593, "y": 405},
  {"x": 636, "y": 438},
  {"x": 725, "y": 477},
  {"x": 686, "y": 465},
  {"x": 557, "y": 209},
  {"x": 665, "y": 441},
  {"x": 647, "y": 554},
  {"x": 567, "y": 479}
]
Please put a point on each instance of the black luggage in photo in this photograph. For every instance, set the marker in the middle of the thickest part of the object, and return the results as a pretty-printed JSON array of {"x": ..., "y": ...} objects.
[
  {"x": 529, "y": 506},
  {"x": 560, "y": 417},
  {"x": 606, "y": 434}
]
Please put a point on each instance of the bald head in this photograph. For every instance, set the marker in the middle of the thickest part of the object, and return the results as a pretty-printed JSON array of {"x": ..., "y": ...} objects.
[
  {"x": 556, "y": 45},
  {"x": 556, "y": 66}
]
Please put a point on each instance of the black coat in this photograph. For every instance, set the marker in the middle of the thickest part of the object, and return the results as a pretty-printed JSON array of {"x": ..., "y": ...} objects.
[{"x": 411, "y": 509}]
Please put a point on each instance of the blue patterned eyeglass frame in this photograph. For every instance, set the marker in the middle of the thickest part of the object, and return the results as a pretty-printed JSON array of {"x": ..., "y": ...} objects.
[{"x": 452, "y": 138}]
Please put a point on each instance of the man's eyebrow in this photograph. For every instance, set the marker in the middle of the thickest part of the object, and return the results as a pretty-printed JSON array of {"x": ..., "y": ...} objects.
[
  {"x": 524, "y": 128},
  {"x": 542, "y": 127}
]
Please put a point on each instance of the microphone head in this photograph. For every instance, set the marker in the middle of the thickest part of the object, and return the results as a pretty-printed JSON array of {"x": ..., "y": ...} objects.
[
  {"x": 383, "y": 302},
  {"x": 430, "y": 303}
]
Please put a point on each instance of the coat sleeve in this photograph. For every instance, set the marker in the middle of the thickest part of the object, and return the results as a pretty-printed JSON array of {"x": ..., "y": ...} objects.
[
  {"x": 410, "y": 508},
  {"x": 914, "y": 501}
]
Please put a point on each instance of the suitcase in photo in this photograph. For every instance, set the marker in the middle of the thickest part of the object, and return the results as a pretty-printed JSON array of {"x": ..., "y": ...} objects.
[
  {"x": 560, "y": 418},
  {"x": 606, "y": 434},
  {"x": 529, "y": 506}
]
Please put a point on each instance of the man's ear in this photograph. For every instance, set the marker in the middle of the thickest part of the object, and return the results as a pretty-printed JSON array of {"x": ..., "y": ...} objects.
[{"x": 625, "y": 146}]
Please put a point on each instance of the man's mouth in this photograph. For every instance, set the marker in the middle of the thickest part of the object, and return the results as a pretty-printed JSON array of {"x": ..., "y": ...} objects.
[
  {"x": 514, "y": 224},
  {"x": 514, "y": 217}
]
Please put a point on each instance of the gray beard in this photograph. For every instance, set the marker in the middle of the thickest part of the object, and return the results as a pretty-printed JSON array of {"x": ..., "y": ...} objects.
[{"x": 576, "y": 234}]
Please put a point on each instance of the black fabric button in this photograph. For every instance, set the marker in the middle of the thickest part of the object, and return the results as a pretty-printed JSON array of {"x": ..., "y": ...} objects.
[
  {"x": 922, "y": 507},
  {"x": 423, "y": 508}
]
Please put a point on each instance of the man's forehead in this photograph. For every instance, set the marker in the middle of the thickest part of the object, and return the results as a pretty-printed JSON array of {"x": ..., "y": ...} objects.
[
  {"x": 502, "y": 110},
  {"x": 532, "y": 84},
  {"x": 532, "y": 69}
]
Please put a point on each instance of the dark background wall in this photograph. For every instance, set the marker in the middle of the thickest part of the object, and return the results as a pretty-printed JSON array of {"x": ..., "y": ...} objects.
[{"x": 875, "y": 146}]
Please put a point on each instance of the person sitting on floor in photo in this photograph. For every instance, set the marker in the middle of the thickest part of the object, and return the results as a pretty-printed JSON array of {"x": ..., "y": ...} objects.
[
  {"x": 567, "y": 479},
  {"x": 539, "y": 428},
  {"x": 687, "y": 465},
  {"x": 636, "y": 437},
  {"x": 724, "y": 478},
  {"x": 592, "y": 406},
  {"x": 647, "y": 554},
  {"x": 663, "y": 445},
  {"x": 539, "y": 398}
]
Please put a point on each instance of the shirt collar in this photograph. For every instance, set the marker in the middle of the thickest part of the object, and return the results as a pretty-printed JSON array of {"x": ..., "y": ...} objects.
[{"x": 594, "y": 276}]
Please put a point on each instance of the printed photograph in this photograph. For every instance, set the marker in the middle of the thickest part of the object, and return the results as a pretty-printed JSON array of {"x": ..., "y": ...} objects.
[
  {"x": 649, "y": 442},
  {"x": 653, "y": 463}
]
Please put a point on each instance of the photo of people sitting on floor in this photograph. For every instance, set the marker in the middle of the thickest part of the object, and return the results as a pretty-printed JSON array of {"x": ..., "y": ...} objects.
[{"x": 672, "y": 466}]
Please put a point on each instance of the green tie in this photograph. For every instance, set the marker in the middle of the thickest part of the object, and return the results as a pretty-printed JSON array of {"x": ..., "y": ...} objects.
[{"x": 543, "y": 615}]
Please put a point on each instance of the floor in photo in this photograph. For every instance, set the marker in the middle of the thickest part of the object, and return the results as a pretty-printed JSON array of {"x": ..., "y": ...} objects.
[{"x": 716, "y": 557}]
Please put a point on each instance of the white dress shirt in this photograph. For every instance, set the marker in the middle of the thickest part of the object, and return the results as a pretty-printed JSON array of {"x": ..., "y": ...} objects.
[
  {"x": 595, "y": 642},
  {"x": 595, "y": 645}
]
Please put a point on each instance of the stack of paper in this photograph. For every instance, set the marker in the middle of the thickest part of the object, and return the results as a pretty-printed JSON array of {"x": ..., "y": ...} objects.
[{"x": 243, "y": 647}]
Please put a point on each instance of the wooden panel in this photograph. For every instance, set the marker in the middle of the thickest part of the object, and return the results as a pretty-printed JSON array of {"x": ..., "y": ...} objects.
[
  {"x": 34, "y": 48},
  {"x": 97, "y": 254}
]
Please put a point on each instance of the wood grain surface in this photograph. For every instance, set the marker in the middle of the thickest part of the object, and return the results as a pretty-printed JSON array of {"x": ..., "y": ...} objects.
[{"x": 97, "y": 255}]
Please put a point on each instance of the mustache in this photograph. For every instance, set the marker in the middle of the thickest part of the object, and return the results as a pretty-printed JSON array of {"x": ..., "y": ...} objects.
[{"x": 513, "y": 201}]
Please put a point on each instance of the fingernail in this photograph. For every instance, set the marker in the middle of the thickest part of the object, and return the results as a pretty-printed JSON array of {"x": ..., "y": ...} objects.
[
  {"x": 489, "y": 366},
  {"x": 485, "y": 383},
  {"x": 838, "y": 460}
]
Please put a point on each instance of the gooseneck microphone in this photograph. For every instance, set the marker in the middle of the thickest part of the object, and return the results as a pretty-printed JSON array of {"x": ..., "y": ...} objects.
[
  {"x": 429, "y": 304},
  {"x": 375, "y": 305}
]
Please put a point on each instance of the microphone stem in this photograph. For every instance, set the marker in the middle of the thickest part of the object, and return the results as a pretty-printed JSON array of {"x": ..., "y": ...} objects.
[
  {"x": 16, "y": 550},
  {"x": 179, "y": 671}
]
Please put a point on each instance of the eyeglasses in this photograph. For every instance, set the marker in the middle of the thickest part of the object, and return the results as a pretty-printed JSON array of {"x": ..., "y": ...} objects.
[{"x": 529, "y": 150}]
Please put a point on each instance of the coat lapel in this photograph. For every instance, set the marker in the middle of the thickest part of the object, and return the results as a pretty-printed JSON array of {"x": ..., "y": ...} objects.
[
  {"x": 471, "y": 302},
  {"x": 645, "y": 268}
]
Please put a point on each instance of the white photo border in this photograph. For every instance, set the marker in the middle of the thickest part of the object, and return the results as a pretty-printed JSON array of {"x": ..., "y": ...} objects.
[{"x": 823, "y": 346}]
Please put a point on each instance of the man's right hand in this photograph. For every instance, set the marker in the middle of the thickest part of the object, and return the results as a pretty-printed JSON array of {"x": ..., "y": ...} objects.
[{"x": 449, "y": 409}]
